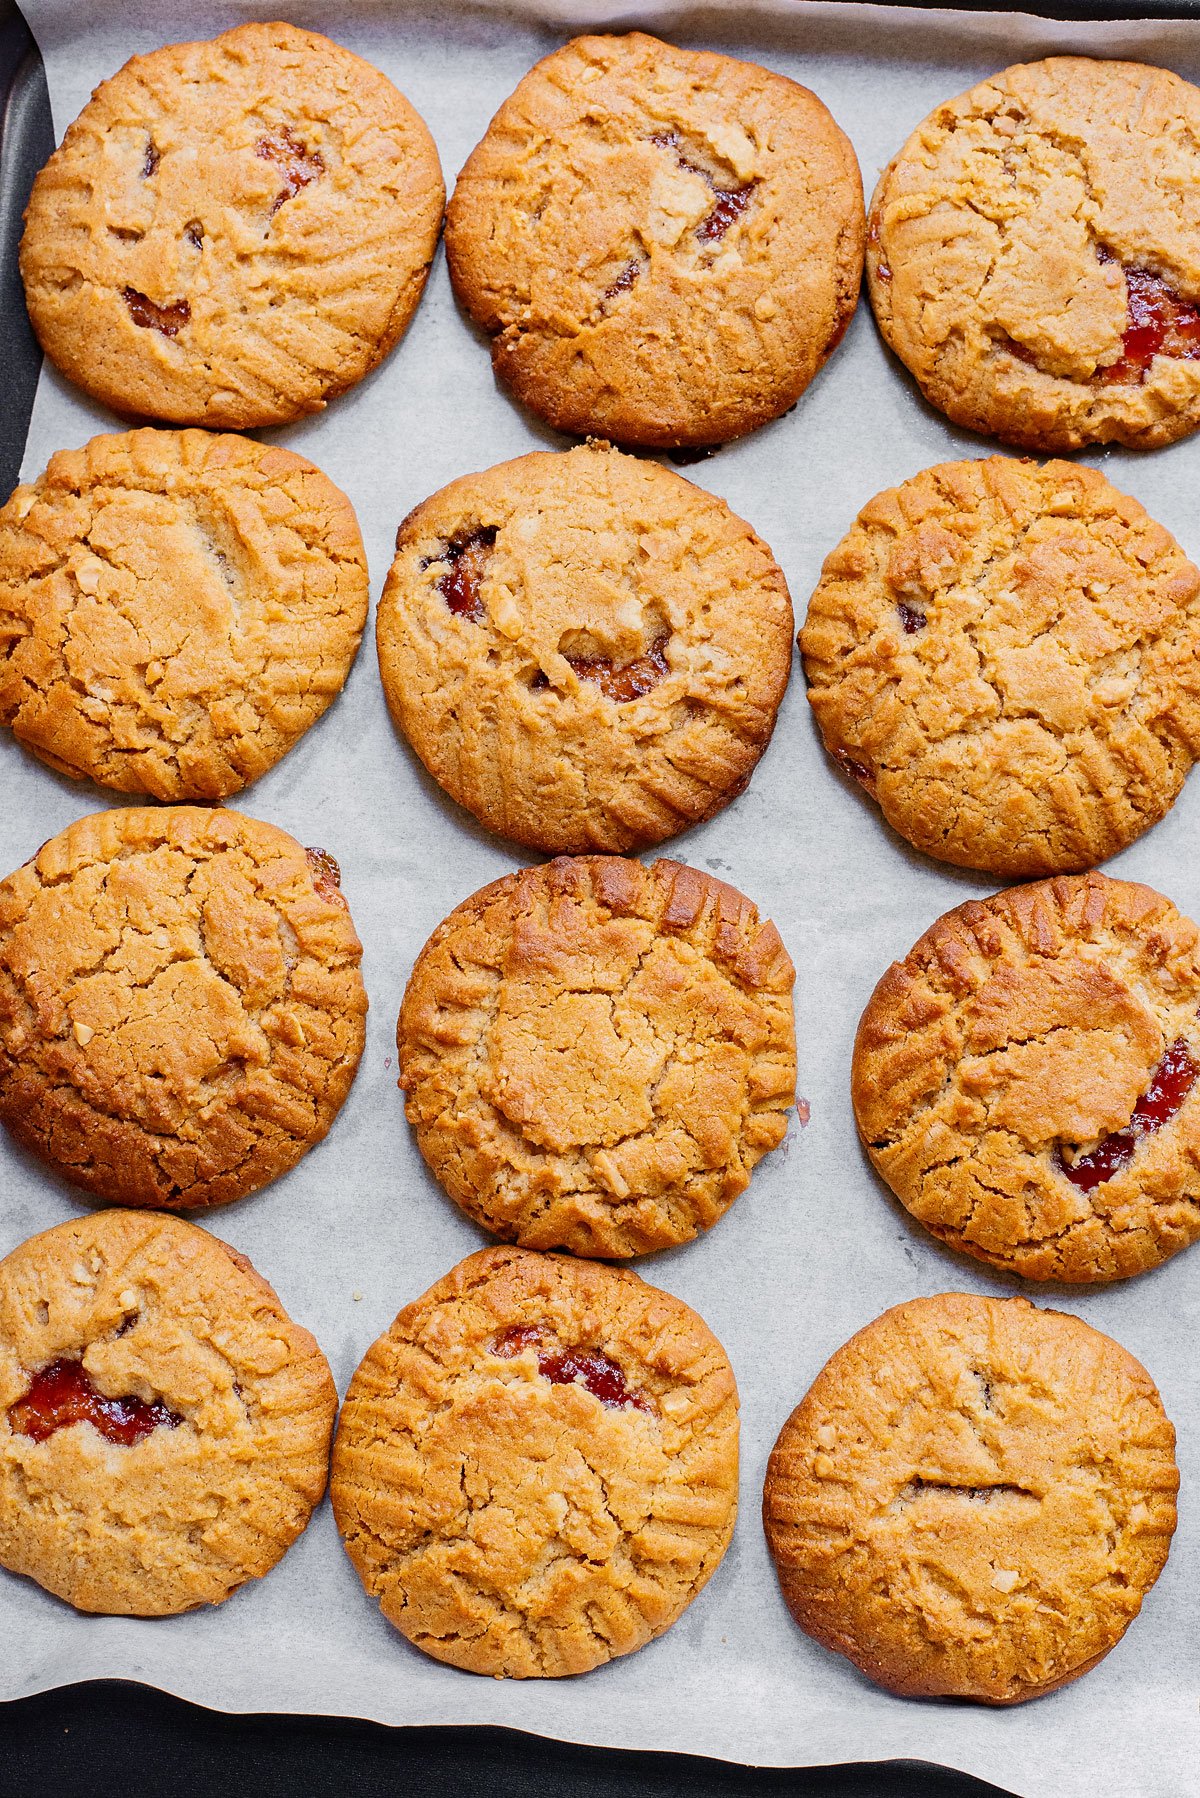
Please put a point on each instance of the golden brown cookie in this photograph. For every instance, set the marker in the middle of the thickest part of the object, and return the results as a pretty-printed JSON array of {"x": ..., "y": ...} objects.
[
  {"x": 597, "y": 1054},
  {"x": 164, "y": 1425},
  {"x": 176, "y": 609},
  {"x": 665, "y": 245},
  {"x": 972, "y": 1499},
  {"x": 181, "y": 1011},
  {"x": 584, "y": 649},
  {"x": 1007, "y": 658},
  {"x": 536, "y": 1467},
  {"x": 1025, "y": 1079},
  {"x": 1034, "y": 255},
  {"x": 232, "y": 232}
]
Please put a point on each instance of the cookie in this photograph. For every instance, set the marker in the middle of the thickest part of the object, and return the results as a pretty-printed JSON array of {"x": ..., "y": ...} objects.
[
  {"x": 181, "y": 1011},
  {"x": 596, "y": 1054},
  {"x": 973, "y": 1499},
  {"x": 536, "y": 1467},
  {"x": 1025, "y": 1080},
  {"x": 1034, "y": 255},
  {"x": 176, "y": 609},
  {"x": 584, "y": 649},
  {"x": 1007, "y": 658},
  {"x": 664, "y": 245},
  {"x": 164, "y": 1425},
  {"x": 232, "y": 232}
]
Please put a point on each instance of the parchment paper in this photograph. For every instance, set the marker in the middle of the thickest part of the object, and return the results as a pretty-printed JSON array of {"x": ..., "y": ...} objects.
[{"x": 816, "y": 1247}]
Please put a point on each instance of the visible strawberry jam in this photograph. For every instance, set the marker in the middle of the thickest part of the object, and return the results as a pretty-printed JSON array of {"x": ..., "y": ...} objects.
[
  {"x": 620, "y": 681},
  {"x": 882, "y": 270},
  {"x": 326, "y": 875},
  {"x": 300, "y": 165},
  {"x": 911, "y": 617},
  {"x": 624, "y": 280},
  {"x": 151, "y": 159},
  {"x": 63, "y": 1394},
  {"x": 1169, "y": 1086},
  {"x": 597, "y": 1372},
  {"x": 167, "y": 319},
  {"x": 1159, "y": 322},
  {"x": 459, "y": 586},
  {"x": 730, "y": 202},
  {"x": 849, "y": 766}
]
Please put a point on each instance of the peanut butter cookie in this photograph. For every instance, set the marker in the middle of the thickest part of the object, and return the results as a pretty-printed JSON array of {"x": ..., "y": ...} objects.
[
  {"x": 1007, "y": 658},
  {"x": 536, "y": 1467},
  {"x": 1034, "y": 255},
  {"x": 597, "y": 1054},
  {"x": 181, "y": 1011},
  {"x": 164, "y": 1425},
  {"x": 584, "y": 649},
  {"x": 1025, "y": 1079},
  {"x": 176, "y": 609},
  {"x": 232, "y": 232},
  {"x": 973, "y": 1499},
  {"x": 665, "y": 245}
]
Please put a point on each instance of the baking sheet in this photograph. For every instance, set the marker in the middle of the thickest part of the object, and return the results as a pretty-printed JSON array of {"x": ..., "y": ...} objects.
[{"x": 816, "y": 1247}]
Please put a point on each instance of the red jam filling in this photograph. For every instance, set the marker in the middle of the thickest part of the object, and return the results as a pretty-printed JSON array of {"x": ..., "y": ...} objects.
[
  {"x": 1169, "y": 1086},
  {"x": 912, "y": 618},
  {"x": 597, "y": 1372},
  {"x": 629, "y": 680},
  {"x": 326, "y": 875},
  {"x": 851, "y": 767},
  {"x": 882, "y": 270},
  {"x": 459, "y": 586},
  {"x": 63, "y": 1394},
  {"x": 1159, "y": 322},
  {"x": 151, "y": 159},
  {"x": 300, "y": 165},
  {"x": 729, "y": 202},
  {"x": 624, "y": 280},
  {"x": 167, "y": 319}
]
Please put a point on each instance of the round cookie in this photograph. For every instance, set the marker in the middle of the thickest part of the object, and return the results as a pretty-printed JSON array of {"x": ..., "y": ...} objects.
[
  {"x": 164, "y": 1425},
  {"x": 596, "y": 1054},
  {"x": 232, "y": 232},
  {"x": 1034, "y": 255},
  {"x": 181, "y": 1009},
  {"x": 1007, "y": 658},
  {"x": 973, "y": 1499},
  {"x": 1025, "y": 1080},
  {"x": 664, "y": 245},
  {"x": 536, "y": 1466},
  {"x": 584, "y": 649},
  {"x": 176, "y": 609}
]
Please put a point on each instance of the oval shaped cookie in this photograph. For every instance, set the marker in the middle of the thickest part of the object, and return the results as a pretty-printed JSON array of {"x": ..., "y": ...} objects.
[
  {"x": 232, "y": 232},
  {"x": 1034, "y": 255},
  {"x": 597, "y": 1054},
  {"x": 176, "y": 609},
  {"x": 164, "y": 1425},
  {"x": 665, "y": 245},
  {"x": 584, "y": 649},
  {"x": 536, "y": 1467},
  {"x": 972, "y": 1499},
  {"x": 181, "y": 1009},
  {"x": 1025, "y": 1080},
  {"x": 1007, "y": 658}
]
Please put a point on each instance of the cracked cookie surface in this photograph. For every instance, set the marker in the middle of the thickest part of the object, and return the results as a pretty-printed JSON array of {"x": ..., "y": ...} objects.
[
  {"x": 509, "y": 1519},
  {"x": 176, "y": 609},
  {"x": 973, "y": 1498},
  {"x": 597, "y": 1054},
  {"x": 584, "y": 649},
  {"x": 232, "y": 232},
  {"x": 146, "y": 1307},
  {"x": 181, "y": 1008},
  {"x": 1007, "y": 658},
  {"x": 1034, "y": 255},
  {"x": 665, "y": 245},
  {"x": 1025, "y": 1080}
]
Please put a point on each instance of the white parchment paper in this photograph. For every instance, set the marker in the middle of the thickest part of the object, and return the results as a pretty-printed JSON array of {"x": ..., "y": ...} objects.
[{"x": 816, "y": 1247}]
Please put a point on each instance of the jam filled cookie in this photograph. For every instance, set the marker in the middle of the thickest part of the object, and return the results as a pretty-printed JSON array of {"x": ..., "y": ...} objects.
[
  {"x": 973, "y": 1499},
  {"x": 597, "y": 1054},
  {"x": 536, "y": 1467},
  {"x": 164, "y": 1425},
  {"x": 1007, "y": 658},
  {"x": 1026, "y": 1079},
  {"x": 1034, "y": 255},
  {"x": 181, "y": 1011},
  {"x": 665, "y": 245},
  {"x": 584, "y": 649},
  {"x": 232, "y": 232},
  {"x": 176, "y": 609}
]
